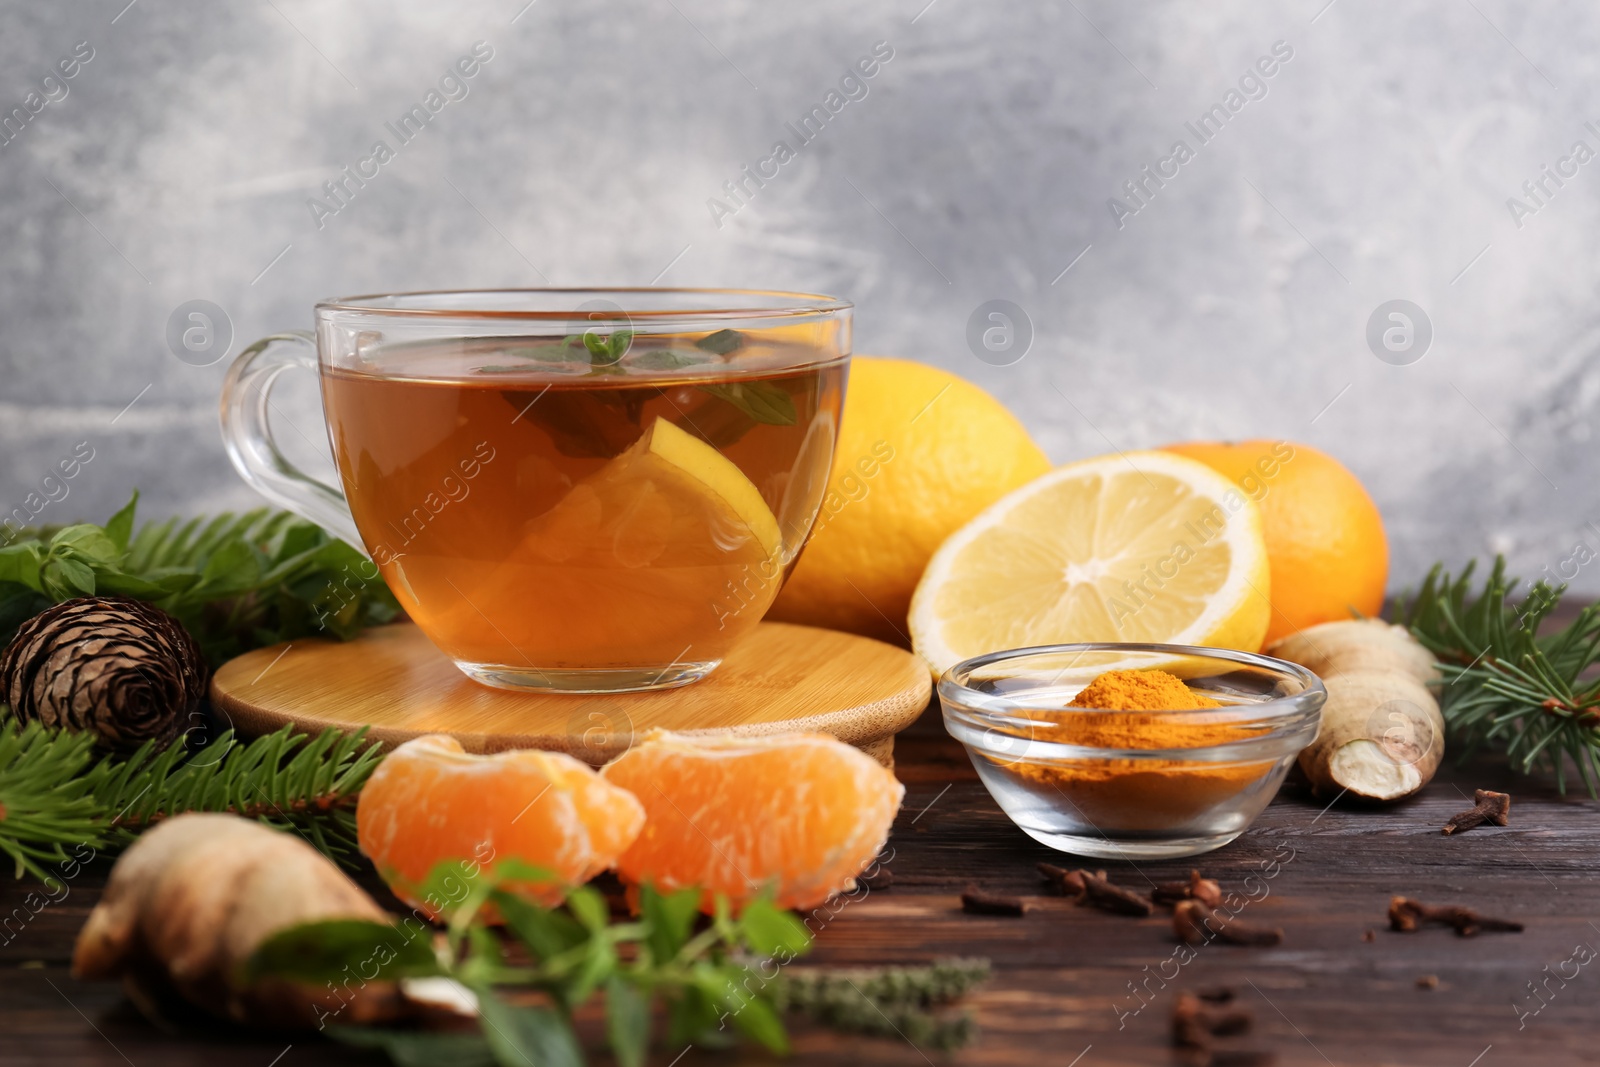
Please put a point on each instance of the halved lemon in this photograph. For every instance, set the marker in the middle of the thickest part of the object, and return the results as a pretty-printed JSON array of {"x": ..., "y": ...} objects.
[{"x": 1140, "y": 546}]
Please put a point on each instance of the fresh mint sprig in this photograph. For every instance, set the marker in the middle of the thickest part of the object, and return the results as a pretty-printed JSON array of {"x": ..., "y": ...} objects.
[
  {"x": 707, "y": 974},
  {"x": 235, "y": 582}
]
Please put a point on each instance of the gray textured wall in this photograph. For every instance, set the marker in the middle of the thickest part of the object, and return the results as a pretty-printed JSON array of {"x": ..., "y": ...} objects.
[{"x": 1235, "y": 301}]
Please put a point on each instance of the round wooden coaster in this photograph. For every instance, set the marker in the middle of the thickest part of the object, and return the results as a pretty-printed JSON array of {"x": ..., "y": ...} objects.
[{"x": 781, "y": 678}]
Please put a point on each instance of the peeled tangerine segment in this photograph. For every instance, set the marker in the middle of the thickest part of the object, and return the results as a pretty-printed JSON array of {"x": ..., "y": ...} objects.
[
  {"x": 1140, "y": 546},
  {"x": 430, "y": 802},
  {"x": 670, "y": 499},
  {"x": 798, "y": 814}
]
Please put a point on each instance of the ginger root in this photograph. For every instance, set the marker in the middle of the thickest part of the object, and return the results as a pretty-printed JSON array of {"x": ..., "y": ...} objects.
[
  {"x": 190, "y": 901},
  {"x": 1382, "y": 736}
]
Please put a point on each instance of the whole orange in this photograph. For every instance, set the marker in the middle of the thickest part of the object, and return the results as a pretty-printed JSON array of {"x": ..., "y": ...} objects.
[{"x": 1326, "y": 547}]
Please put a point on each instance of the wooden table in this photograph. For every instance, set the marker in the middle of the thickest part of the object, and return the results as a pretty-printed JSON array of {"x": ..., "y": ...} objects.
[{"x": 1064, "y": 975}]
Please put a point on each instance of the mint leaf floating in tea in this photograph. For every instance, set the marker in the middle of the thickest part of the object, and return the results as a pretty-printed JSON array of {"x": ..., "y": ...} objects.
[
  {"x": 567, "y": 350},
  {"x": 722, "y": 342},
  {"x": 762, "y": 401},
  {"x": 667, "y": 359},
  {"x": 607, "y": 351}
]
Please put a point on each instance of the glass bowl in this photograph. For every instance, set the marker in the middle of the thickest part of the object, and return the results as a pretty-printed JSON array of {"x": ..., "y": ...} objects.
[{"x": 1093, "y": 783}]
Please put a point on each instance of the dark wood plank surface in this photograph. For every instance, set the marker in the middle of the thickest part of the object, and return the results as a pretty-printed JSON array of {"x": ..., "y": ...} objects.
[{"x": 1065, "y": 977}]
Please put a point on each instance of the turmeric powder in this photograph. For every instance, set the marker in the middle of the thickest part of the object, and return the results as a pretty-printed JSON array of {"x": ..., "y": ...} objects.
[
  {"x": 1134, "y": 710},
  {"x": 1140, "y": 691}
]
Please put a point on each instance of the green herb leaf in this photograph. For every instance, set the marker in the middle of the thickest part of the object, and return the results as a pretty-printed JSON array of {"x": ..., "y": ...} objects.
[
  {"x": 757, "y": 1020},
  {"x": 589, "y": 908},
  {"x": 120, "y": 526},
  {"x": 85, "y": 541},
  {"x": 560, "y": 352},
  {"x": 232, "y": 569},
  {"x": 547, "y": 933},
  {"x": 599, "y": 347},
  {"x": 598, "y": 966},
  {"x": 419, "y": 1048},
  {"x": 627, "y": 1022},
  {"x": 331, "y": 949},
  {"x": 762, "y": 401},
  {"x": 21, "y": 563},
  {"x": 771, "y": 930},
  {"x": 692, "y": 1016},
  {"x": 670, "y": 917},
  {"x": 605, "y": 351},
  {"x": 667, "y": 359},
  {"x": 520, "y": 1037},
  {"x": 65, "y": 578},
  {"x": 750, "y": 1014},
  {"x": 722, "y": 342},
  {"x": 118, "y": 584}
]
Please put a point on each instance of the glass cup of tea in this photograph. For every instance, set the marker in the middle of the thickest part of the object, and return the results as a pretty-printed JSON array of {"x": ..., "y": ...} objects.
[{"x": 584, "y": 491}]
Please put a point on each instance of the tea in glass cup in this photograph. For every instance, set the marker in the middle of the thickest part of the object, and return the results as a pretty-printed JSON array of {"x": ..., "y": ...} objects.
[{"x": 591, "y": 491}]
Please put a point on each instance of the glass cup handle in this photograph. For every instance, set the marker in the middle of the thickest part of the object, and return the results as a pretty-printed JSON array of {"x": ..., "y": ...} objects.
[{"x": 247, "y": 434}]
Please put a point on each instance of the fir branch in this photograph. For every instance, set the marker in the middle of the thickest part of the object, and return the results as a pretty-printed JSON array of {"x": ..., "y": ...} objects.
[
  {"x": 286, "y": 780},
  {"x": 236, "y": 582},
  {"x": 54, "y": 794},
  {"x": 1505, "y": 687},
  {"x": 45, "y": 803}
]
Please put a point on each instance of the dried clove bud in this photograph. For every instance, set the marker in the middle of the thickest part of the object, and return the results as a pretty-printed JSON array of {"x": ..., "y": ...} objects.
[
  {"x": 1406, "y": 916},
  {"x": 1205, "y": 890},
  {"x": 1062, "y": 882},
  {"x": 1188, "y": 922},
  {"x": 1194, "y": 924},
  {"x": 1194, "y": 1025},
  {"x": 879, "y": 881},
  {"x": 1100, "y": 893},
  {"x": 1189, "y": 1023},
  {"x": 978, "y": 902},
  {"x": 1487, "y": 807},
  {"x": 1229, "y": 1023}
]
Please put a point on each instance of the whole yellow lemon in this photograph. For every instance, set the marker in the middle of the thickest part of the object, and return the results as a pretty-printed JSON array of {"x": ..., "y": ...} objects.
[{"x": 920, "y": 453}]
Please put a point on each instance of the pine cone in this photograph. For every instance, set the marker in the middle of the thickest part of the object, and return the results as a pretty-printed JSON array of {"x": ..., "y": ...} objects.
[{"x": 118, "y": 668}]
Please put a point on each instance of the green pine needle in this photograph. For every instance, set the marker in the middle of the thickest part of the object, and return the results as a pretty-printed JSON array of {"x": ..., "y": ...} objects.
[
  {"x": 46, "y": 805},
  {"x": 55, "y": 794},
  {"x": 1507, "y": 688}
]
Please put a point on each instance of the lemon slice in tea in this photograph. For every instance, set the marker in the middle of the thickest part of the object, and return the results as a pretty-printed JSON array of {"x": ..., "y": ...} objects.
[{"x": 669, "y": 499}]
